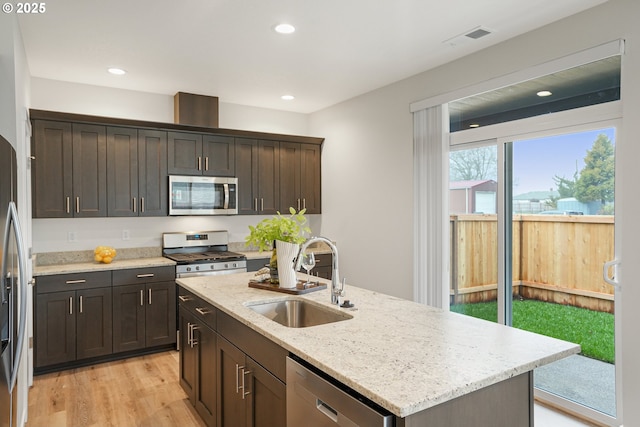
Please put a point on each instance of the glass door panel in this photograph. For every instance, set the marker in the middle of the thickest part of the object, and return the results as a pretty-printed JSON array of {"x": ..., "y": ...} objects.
[
  {"x": 563, "y": 233},
  {"x": 473, "y": 190}
]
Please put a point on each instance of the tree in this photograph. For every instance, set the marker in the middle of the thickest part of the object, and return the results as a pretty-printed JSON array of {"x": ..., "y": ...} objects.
[
  {"x": 474, "y": 164},
  {"x": 596, "y": 181},
  {"x": 566, "y": 187}
]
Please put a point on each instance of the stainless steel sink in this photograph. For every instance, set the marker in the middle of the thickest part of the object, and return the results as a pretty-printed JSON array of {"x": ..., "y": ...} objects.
[{"x": 296, "y": 313}]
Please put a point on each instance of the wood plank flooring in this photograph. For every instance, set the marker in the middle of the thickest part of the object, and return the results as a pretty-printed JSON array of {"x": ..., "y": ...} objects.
[{"x": 142, "y": 391}]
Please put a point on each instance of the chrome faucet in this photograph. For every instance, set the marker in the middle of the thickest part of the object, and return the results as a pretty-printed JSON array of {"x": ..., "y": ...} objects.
[{"x": 337, "y": 289}]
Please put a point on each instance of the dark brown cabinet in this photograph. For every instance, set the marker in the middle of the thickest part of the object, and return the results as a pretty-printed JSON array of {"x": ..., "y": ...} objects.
[
  {"x": 69, "y": 170},
  {"x": 144, "y": 308},
  {"x": 73, "y": 318},
  {"x": 196, "y": 154},
  {"x": 198, "y": 353},
  {"x": 233, "y": 375},
  {"x": 300, "y": 177},
  {"x": 136, "y": 172},
  {"x": 258, "y": 172}
]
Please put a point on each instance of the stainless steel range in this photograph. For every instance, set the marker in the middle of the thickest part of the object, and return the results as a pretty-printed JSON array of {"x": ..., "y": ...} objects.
[{"x": 202, "y": 253}]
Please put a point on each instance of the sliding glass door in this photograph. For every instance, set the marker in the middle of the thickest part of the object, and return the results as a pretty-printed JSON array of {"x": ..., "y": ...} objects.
[{"x": 536, "y": 261}]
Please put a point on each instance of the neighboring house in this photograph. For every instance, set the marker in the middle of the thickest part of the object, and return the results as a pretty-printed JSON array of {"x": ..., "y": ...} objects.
[
  {"x": 473, "y": 196},
  {"x": 533, "y": 202}
]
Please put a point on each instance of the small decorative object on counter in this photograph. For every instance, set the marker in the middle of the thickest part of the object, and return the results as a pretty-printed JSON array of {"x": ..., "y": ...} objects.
[
  {"x": 104, "y": 254},
  {"x": 288, "y": 229}
]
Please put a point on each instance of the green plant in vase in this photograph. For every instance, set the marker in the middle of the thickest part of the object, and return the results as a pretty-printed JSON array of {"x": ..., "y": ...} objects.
[{"x": 292, "y": 229}]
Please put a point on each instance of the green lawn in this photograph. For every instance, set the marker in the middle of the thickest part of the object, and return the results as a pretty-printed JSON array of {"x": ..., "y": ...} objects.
[{"x": 593, "y": 330}]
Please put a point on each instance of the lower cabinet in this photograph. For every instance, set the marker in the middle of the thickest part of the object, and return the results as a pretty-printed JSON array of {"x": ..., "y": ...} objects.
[
  {"x": 82, "y": 318},
  {"x": 144, "y": 308},
  {"x": 225, "y": 383},
  {"x": 73, "y": 318}
]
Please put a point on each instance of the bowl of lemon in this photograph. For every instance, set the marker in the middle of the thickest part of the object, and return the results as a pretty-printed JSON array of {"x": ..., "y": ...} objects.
[{"x": 104, "y": 254}]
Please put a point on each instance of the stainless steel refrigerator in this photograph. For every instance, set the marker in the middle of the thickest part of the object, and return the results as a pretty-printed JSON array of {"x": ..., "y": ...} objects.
[{"x": 13, "y": 289}]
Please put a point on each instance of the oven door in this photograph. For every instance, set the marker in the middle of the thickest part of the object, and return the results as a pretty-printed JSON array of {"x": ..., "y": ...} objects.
[{"x": 202, "y": 195}]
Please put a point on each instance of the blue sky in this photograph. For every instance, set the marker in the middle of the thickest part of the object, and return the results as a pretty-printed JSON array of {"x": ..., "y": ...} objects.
[{"x": 537, "y": 161}]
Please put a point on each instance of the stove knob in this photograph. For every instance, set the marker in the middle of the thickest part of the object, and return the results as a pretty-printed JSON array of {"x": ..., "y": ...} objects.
[
  {"x": 188, "y": 268},
  {"x": 226, "y": 266},
  {"x": 198, "y": 267},
  {"x": 212, "y": 267}
]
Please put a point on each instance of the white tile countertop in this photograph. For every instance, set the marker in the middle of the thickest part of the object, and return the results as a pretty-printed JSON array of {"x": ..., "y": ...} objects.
[{"x": 405, "y": 356}]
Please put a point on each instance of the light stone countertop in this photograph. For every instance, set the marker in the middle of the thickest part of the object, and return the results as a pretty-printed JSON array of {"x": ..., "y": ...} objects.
[
  {"x": 116, "y": 264},
  {"x": 405, "y": 356}
]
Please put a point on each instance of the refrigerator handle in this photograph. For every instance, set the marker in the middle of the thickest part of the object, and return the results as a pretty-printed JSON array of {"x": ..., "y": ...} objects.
[{"x": 13, "y": 221}]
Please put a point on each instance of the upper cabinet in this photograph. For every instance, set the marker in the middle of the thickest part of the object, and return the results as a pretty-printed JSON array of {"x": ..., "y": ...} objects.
[
  {"x": 69, "y": 170},
  {"x": 136, "y": 172},
  {"x": 300, "y": 177},
  {"x": 88, "y": 166},
  {"x": 196, "y": 154}
]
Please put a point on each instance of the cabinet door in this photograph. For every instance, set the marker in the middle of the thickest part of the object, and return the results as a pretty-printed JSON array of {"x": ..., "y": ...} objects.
[
  {"x": 206, "y": 384},
  {"x": 160, "y": 314},
  {"x": 89, "y": 171},
  {"x": 52, "y": 179},
  {"x": 128, "y": 317},
  {"x": 55, "y": 328},
  {"x": 246, "y": 161},
  {"x": 268, "y": 177},
  {"x": 290, "y": 176},
  {"x": 185, "y": 153},
  {"x": 267, "y": 396},
  {"x": 232, "y": 404},
  {"x": 152, "y": 173},
  {"x": 94, "y": 323},
  {"x": 188, "y": 361},
  {"x": 122, "y": 171},
  {"x": 218, "y": 153},
  {"x": 310, "y": 188}
]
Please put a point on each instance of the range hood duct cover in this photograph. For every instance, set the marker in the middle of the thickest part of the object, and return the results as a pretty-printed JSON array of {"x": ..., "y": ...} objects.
[{"x": 195, "y": 110}]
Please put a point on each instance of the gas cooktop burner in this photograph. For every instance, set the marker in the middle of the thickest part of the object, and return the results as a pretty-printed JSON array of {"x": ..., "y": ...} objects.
[{"x": 203, "y": 256}]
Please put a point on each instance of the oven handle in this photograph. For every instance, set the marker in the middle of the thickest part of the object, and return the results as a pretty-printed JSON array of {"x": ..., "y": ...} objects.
[
  {"x": 211, "y": 273},
  {"x": 226, "y": 195}
]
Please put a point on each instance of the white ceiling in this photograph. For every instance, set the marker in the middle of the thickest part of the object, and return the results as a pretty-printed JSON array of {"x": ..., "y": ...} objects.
[{"x": 227, "y": 48}]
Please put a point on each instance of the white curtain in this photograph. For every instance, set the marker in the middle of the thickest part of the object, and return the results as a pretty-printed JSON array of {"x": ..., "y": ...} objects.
[{"x": 431, "y": 206}]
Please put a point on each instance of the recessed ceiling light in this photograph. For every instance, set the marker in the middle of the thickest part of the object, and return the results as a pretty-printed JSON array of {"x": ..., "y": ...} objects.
[
  {"x": 117, "y": 71},
  {"x": 544, "y": 93},
  {"x": 474, "y": 125},
  {"x": 288, "y": 97},
  {"x": 285, "y": 28}
]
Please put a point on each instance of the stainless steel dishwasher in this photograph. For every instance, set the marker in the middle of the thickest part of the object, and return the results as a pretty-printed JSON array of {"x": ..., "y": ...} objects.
[{"x": 316, "y": 400}]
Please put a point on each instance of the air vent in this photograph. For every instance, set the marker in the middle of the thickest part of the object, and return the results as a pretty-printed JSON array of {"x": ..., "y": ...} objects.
[{"x": 468, "y": 36}]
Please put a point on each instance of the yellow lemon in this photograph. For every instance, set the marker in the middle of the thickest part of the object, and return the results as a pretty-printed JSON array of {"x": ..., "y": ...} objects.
[
  {"x": 107, "y": 260},
  {"x": 98, "y": 258}
]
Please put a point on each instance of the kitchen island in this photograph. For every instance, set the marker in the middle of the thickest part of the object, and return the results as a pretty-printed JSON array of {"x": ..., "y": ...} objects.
[{"x": 406, "y": 357}]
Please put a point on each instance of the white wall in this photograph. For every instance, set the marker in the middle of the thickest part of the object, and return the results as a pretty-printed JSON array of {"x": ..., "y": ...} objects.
[{"x": 367, "y": 161}]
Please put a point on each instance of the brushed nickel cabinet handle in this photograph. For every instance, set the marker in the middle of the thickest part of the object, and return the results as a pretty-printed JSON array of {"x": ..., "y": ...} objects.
[
  {"x": 78, "y": 204},
  {"x": 298, "y": 204},
  {"x": 255, "y": 204},
  {"x": 199, "y": 163},
  {"x": 244, "y": 386},
  {"x": 68, "y": 204},
  {"x": 142, "y": 204},
  {"x": 304, "y": 203},
  {"x": 203, "y": 311},
  {"x": 262, "y": 204},
  {"x": 70, "y": 305},
  {"x": 142, "y": 276},
  {"x": 184, "y": 298},
  {"x": 141, "y": 297},
  {"x": 194, "y": 341},
  {"x": 75, "y": 282},
  {"x": 149, "y": 296},
  {"x": 206, "y": 163},
  {"x": 238, "y": 367},
  {"x": 80, "y": 304}
]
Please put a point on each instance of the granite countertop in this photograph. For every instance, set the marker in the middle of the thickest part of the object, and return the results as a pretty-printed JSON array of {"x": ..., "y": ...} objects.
[
  {"x": 405, "y": 356},
  {"x": 116, "y": 264}
]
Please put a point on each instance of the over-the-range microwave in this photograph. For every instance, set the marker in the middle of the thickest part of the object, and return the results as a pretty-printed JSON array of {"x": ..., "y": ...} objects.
[{"x": 202, "y": 195}]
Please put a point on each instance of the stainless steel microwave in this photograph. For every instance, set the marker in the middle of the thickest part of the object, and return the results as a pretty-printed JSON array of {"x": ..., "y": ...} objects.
[{"x": 202, "y": 195}]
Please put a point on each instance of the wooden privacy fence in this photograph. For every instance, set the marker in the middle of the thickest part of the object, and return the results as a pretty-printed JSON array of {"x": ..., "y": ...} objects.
[{"x": 556, "y": 258}]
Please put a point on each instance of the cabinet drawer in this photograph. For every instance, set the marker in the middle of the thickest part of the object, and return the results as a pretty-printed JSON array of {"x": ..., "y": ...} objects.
[
  {"x": 202, "y": 310},
  {"x": 144, "y": 275},
  {"x": 260, "y": 348},
  {"x": 72, "y": 282},
  {"x": 323, "y": 260}
]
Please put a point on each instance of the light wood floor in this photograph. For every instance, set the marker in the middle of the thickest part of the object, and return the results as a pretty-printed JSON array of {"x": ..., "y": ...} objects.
[{"x": 142, "y": 391}]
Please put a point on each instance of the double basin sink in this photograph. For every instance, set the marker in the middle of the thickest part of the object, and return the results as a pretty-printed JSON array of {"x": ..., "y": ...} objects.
[{"x": 298, "y": 313}]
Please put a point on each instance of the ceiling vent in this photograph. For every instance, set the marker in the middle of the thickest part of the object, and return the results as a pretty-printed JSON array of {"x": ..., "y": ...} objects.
[{"x": 467, "y": 36}]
